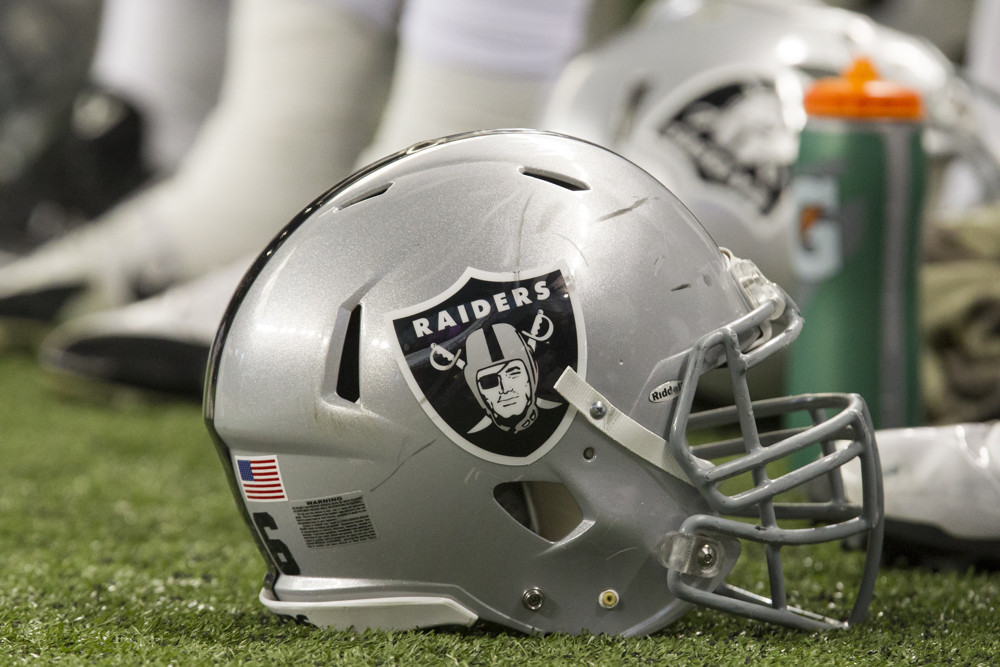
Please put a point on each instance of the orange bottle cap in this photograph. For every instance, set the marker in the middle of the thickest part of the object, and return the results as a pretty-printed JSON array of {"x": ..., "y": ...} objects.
[{"x": 859, "y": 92}]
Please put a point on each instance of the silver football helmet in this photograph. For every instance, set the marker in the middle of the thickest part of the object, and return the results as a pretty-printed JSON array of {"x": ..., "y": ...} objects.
[
  {"x": 707, "y": 96},
  {"x": 459, "y": 387}
]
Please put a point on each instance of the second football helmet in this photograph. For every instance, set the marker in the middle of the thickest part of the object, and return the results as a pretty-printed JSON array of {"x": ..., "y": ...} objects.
[
  {"x": 459, "y": 387},
  {"x": 706, "y": 95}
]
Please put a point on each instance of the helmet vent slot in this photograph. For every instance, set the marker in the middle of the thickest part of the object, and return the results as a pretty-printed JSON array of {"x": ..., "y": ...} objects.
[
  {"x": 371, "y": 194},
  {"x": 547, "y": 509},
  {"x": 349, "y": 374},
  {"x": 561, "y": 180}
]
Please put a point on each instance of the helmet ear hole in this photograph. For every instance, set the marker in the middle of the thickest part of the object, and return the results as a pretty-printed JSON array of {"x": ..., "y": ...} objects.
[{"x": 547, "y": 509}]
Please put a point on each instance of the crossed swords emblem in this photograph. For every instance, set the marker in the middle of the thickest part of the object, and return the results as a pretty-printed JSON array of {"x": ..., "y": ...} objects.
[{"x": 542, "y": 328}]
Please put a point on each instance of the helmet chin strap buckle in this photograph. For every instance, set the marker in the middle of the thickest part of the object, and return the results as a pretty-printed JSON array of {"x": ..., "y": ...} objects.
[
  {"x": 693, "y": 554},
  {"x": 757, "y": 289}
]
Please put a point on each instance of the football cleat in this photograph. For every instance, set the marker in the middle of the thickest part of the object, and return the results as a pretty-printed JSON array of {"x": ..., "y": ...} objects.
[
  {"x": 46, "y": 48},
  {"x": 942, "y": 495},
  {"x": 158, "y": 345},
  {"x": 100, "y": 265},
  {"x": 94, "y": 164}
]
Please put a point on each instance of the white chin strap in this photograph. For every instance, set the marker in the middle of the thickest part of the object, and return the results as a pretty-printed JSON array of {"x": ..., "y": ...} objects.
[
  {"x": 388, "y": 613},
  {"x": 617, "y": 425}
]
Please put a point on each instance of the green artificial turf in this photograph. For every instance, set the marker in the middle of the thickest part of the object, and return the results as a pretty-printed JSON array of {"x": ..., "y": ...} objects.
[{"x": 120, "y": 543}]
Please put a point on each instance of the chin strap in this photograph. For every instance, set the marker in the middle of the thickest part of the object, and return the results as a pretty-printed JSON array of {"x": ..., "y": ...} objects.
[{"x": 618, "y": 426}]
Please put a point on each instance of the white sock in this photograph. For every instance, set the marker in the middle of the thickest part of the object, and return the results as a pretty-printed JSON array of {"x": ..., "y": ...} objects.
[
  {"x": 475, "y": 64},
  {"x": 167, "y": 58},
  {"x": 303, "y": 86},
  {"x": 304, "y": 83}
]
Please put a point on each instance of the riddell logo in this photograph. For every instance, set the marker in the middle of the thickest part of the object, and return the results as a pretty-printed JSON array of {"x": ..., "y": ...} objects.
[{"x": 667, "y": 391}]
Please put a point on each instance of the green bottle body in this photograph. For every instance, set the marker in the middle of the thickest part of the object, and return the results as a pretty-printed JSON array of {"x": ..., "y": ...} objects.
[{"x": 860, "y": 186}]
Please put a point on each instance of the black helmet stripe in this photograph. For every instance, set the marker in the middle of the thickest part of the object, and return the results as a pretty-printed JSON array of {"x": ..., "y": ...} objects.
[{"x": 493, "y": 345}]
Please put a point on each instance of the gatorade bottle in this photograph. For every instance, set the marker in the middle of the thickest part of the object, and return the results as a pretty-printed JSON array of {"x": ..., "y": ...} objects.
[{"x": 859, "y": 183}]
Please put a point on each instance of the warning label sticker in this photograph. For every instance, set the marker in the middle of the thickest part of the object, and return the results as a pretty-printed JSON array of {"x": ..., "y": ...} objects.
[{"x": 335, "y": 521}]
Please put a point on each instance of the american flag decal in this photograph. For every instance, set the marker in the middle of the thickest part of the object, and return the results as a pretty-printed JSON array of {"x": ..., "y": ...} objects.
[{"x": 260, "y": 478}]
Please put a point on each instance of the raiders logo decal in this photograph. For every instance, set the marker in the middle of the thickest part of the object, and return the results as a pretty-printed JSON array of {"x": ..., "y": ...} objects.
[
  {"x": 482, "y": 358},
  {"x": 730, "y": 135}
]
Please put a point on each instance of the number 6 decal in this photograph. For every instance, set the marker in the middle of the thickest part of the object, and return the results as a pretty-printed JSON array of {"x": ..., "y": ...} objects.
[{"x": 280, "y": 553}]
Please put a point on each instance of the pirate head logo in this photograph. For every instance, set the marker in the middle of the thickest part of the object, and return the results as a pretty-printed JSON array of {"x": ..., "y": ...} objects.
[
  {"x": 735, "y": 136},
  {"x": 503, "y": 375},
  {"x": 482, "y": 358}
]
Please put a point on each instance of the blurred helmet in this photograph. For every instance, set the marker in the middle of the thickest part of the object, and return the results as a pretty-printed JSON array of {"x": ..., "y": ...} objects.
[
  {"x": 707, "y": 96},
  {"x": 459, "y": 387}
]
